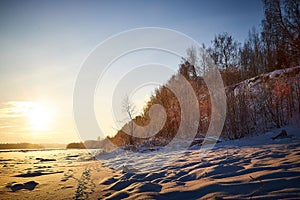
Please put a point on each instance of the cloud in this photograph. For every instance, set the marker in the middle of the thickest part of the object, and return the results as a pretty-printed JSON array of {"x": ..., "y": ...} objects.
[
  {"x": 13, "y": 116},
  {"x": 15, "y": 109}
]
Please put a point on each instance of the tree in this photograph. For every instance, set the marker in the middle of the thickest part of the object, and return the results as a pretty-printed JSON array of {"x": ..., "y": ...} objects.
[
  {"x": 281, "y": 28},
  {"x": 205, "y": 60},
  {"x": 224, "y": 51},
  {"x": 252, "y": 55},
  {"x": 130, "y": 110},
  {"x": 197, "y": 62},
  {"x": 192, "y": 55},
  {"x": 188, "y": 70}
]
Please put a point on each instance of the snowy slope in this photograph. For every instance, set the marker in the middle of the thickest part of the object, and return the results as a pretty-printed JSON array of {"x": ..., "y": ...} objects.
[
  {"x": 261, "y": 103},
  {"x": 254, "y": 82}
]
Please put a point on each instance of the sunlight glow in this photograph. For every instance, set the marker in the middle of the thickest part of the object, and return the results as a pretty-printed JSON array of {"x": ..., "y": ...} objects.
[{"x": 40, "y": 117}]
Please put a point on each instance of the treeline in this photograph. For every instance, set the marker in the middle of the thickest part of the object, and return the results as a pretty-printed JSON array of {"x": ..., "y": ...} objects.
[
  {"x": 264, "y": 103},
  {"x": 20, "y": 146},
  {"x": 75, "y": 145}
]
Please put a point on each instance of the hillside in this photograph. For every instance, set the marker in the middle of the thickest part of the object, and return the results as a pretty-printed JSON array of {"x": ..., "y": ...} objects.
[
  {"x": 258, "y": 104},
  {"x": 255, "y": 105}
]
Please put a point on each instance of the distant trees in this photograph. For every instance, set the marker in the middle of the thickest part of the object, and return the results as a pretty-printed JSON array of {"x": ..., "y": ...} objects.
[
  {"x": 20, "y": 146},
  {"x": 75, "y": 145}
]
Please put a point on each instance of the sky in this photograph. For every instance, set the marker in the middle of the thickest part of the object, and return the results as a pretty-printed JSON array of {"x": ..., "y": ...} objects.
[{"x": 43, "y": 45}]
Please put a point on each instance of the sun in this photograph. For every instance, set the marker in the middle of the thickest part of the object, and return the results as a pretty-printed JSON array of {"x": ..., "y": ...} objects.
[{"x": 40, "y": 117}]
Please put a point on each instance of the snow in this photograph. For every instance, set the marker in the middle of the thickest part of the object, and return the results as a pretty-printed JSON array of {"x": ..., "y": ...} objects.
[
  {"x": 150, "y": 161},
  {"x": 252, "y": 167},
  {"x": 252, "y": 83}
]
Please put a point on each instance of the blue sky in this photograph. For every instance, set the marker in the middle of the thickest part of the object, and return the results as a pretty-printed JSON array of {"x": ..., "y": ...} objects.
[{"x": 43, "y": 44}]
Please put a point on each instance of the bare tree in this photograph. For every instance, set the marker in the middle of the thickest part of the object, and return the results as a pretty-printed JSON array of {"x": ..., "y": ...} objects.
[
  {"x": 192, "y": 55},
  {"x": 252, "y": 55},
  {"x": 225, "y": 51},
  {"x": 130, "y": 110}
]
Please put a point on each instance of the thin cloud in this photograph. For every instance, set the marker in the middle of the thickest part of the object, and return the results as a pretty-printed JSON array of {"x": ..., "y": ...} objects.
[{"x": 15, "y": 109}]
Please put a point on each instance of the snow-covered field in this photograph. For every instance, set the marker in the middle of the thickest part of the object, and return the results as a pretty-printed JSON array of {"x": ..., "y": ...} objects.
[
  {"x": 253, "y": 167},
  {"x": 250, "y": 168}
]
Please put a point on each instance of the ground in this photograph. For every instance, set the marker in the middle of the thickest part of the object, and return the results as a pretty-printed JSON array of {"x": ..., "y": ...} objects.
[{"x": 251, "y": 168}]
